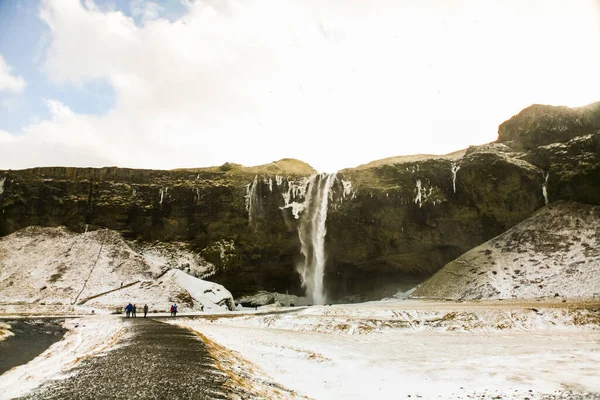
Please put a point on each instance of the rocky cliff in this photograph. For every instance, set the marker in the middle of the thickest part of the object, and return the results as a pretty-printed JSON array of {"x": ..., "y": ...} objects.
[{"x": 390, "y": 223}]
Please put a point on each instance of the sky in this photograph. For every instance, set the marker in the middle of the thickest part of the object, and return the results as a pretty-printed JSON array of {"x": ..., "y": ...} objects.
[{"x": 338, "y": 83}]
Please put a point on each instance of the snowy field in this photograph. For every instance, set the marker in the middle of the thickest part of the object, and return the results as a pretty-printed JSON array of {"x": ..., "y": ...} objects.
[
  {"x": 376, "y": 350},
  {"x": 408, "y": 349}
]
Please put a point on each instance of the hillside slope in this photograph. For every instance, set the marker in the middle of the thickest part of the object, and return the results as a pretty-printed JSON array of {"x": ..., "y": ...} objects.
[
  {"x": 556, "y": 251},
  {"x": 53, "y": 266}
]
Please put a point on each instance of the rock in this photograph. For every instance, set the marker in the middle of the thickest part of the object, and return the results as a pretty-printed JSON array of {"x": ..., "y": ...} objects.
[
  {"x": 540, "y": 125},
  {"x": 258, "y": 300}
]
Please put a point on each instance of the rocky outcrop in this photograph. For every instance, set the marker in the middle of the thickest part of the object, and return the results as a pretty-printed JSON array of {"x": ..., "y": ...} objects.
[
  {"x": 390, "y": 224},
  {"x": 556, "y": 252},
  {"x": 540, "y": 125}
]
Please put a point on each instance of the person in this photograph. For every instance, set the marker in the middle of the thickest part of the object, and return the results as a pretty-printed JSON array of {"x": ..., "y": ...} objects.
[
  {"x": 174, "y": 310},
  {"x": 133, "y": 310},
  {"x": 145, "y": 310},
  {"x": 128, "y": 308},
  {"x": 171, "y": 310}
]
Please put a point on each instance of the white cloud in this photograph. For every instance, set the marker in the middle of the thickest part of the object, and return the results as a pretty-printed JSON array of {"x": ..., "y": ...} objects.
[
  {"x": 335, "y": 84},
  {"x": 146, "y": 10},
  {"x": 9, "y": 82}
]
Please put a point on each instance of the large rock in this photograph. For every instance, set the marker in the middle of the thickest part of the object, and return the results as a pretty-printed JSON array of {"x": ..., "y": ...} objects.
[
  {"x": 556, "y": 252},
  {"x": 540, "y": 125}
]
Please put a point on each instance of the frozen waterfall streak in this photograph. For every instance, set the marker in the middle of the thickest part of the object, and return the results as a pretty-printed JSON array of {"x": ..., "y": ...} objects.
[
  {"x": 91, "y": 269},
  {"x": 253, "y": 202},
  {"x": 545, "y": 187},
  {"x": 454, "y": 170},
  {"x": 312, "y": 231}
]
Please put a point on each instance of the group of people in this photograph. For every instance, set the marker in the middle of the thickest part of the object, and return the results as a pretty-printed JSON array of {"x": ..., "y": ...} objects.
[
  {"x": 131, "y": 309},
  {"x": 174, "y": 310}
]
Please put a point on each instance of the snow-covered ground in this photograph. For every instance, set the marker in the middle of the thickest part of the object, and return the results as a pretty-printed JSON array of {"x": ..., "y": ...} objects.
[
  {"x": 394, "y": 349},
  {"x": 61, "y": 272},
  {"x": 87, "y": 337},
  {"x": 556, "y": 252}
]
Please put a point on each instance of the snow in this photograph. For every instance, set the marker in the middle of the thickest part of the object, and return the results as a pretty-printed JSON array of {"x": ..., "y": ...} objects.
[
  {"x": 5, "y": 332},
  {"x": 321, "y": 352},
  {"x": 162, "y": 256},
  {"x": 214, "y": 296},
  {"x": 555, "y": 252},
  {"x": 57, "y": 271},
  {"x": 86, "y": 337}
]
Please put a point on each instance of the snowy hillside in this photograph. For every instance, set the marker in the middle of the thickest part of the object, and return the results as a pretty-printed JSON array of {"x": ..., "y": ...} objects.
[
  {"x": 556, "y": 252},
  {"x": 53, "y": 266}
]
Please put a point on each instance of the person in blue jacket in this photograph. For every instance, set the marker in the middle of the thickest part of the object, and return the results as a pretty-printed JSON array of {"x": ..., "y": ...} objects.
[{"x": 128, "y": 309}]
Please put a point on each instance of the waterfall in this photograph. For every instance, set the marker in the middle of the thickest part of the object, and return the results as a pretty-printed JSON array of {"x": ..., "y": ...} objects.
[
  {"x": 254, "y": 201},
  {"x": 312, "y": 231}
]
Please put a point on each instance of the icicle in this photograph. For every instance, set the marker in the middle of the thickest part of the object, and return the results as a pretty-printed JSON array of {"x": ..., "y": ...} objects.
[
  {"x": 347, "y": 185},
  {"x": 419, "y": 198},
  {"x": 545, "y": 187},
  {"x": 295, "y": 191},
  {"x": 455, "y": 169},
  {"x": 2, "y": 184}
]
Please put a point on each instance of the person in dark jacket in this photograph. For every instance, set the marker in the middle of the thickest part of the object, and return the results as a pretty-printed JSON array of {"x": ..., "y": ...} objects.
[
  {"x": 145, "y": 310},
  {"x": 133, "y": 310},
  {"x": 128, "y": 309}
]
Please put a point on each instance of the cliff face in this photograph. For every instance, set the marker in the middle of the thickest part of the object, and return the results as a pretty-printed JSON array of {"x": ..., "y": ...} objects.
[{"x": 389, "y": 223}]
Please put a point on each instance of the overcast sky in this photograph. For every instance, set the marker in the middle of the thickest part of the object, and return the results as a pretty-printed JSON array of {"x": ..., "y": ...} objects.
[{"x": 167, "y": 84}]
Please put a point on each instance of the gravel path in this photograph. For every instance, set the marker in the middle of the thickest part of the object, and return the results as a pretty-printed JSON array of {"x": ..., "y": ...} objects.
[{"x": 156, "y": 361}]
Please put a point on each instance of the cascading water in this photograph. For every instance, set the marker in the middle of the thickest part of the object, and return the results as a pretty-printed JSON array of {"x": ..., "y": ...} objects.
[{"x": 312, "y": 231}]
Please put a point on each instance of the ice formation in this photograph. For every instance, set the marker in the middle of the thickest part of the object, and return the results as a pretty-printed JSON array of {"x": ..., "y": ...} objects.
[
  {"x": 455, "y": 169},
  {"x": 545, "y": 188},
  {"x": 419, "y": 198}
]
